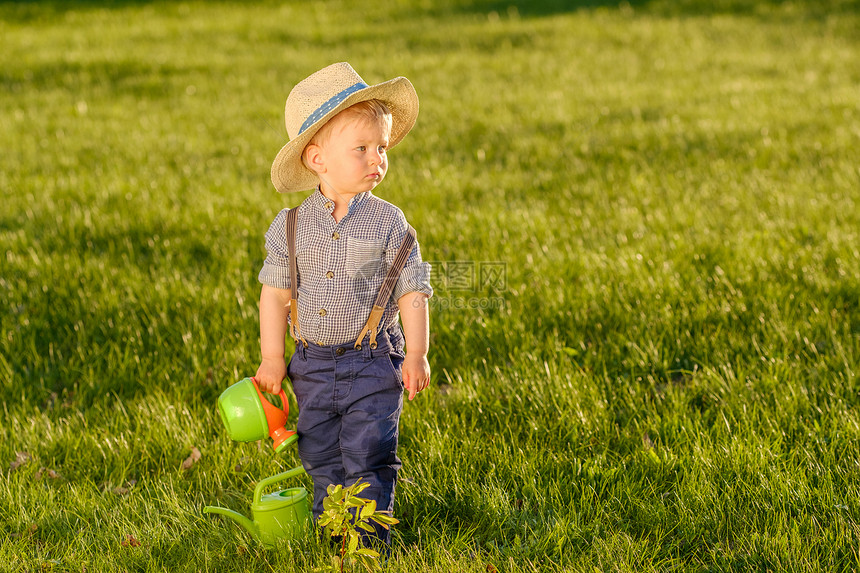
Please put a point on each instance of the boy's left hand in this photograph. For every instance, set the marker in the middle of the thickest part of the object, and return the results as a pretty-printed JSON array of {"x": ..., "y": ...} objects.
[{"x": 416, "y": 373}]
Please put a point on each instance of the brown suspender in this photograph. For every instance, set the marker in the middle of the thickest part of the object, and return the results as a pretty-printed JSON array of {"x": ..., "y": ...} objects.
[
  {"x": 295, "y": 327},
  {"x": 382, "y": 297},
  {"x": 386, "y": 289}
]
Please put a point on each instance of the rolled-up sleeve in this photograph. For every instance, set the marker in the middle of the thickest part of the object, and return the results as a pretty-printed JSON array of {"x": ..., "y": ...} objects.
[
  {"x": 415, "y": 276},
  {"x": 276, "y": 267}
]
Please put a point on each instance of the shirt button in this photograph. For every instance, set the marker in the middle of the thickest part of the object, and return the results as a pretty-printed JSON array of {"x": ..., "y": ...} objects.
[
  {"x": 329, "y": 275},
  {"x": 328, "y": 205},
  {"x": 335, "y": 235},
  {"x": 339, "y": 351},
  {"x": 322, "y": 312}
]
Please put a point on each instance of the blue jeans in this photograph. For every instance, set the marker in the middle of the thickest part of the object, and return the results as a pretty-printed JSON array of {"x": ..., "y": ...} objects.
[{"x": 349, "y": 411}]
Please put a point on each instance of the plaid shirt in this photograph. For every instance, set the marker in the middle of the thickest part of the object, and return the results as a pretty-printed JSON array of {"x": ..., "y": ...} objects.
[{"x": 342, "y": 265}]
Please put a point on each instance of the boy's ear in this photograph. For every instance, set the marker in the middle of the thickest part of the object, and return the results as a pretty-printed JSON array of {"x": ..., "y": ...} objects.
[{"x": 313, "y": 157}]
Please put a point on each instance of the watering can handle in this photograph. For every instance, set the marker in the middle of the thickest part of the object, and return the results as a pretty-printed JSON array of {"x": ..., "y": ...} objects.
[
  {"x": 282, "y": 394},
  {"x": 263, "y": 484}
]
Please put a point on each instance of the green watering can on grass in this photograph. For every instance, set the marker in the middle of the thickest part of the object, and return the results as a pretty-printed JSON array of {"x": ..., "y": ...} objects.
[{"x": 279, "y": 515}]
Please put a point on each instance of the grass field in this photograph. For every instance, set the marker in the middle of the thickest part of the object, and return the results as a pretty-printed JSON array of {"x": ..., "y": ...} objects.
[{"x": 644, "y": 224}]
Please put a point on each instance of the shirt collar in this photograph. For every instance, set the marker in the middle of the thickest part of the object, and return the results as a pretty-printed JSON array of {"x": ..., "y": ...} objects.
[{"x": 327, "y": 205}]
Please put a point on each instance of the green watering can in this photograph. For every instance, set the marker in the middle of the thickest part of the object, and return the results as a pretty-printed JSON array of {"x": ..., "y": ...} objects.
[
  {"x": 249, "y": 417},
  {"x": 279, "y": 515}
]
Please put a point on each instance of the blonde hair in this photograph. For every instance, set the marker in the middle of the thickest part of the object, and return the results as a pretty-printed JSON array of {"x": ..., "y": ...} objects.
[{"x": 371, "y": 111}]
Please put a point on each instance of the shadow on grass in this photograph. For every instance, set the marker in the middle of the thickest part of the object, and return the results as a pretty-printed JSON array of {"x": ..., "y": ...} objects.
[
  {"x": 33, "y": 10},
  {"x": 539, "y": 8},
  {"x": 136, "y": 78},
  {"x": 29, "y": 11}
]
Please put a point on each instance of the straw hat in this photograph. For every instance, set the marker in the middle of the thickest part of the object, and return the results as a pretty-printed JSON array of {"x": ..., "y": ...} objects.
[{"x": 320, "y": 97}]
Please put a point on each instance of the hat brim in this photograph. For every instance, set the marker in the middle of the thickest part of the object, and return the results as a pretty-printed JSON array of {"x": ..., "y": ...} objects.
[{"x": 289, "y": 173}]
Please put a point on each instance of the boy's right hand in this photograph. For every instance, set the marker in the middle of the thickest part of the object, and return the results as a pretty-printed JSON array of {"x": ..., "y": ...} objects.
[{"x": 270, "y": 374}]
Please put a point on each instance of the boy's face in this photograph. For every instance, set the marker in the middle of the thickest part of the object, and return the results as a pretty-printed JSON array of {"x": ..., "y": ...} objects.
[{"x": 354, "y": 158}]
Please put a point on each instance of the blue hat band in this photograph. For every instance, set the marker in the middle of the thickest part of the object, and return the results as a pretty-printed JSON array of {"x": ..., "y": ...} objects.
[{"x": 332, "y": 103}]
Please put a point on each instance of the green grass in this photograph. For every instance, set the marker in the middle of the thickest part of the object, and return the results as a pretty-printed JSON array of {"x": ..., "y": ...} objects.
[{"x": 666, "y": 379}]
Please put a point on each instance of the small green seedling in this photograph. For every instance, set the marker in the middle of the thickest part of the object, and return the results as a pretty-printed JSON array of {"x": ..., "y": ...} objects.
[{"x": 344, "y": 513}]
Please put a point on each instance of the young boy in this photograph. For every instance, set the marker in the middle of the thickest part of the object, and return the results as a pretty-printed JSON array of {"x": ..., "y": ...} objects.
[{"x": 349, "y": 390}]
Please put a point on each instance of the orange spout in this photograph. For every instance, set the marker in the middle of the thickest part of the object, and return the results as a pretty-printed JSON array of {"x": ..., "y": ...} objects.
[{"x": 276, "y": 418}]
